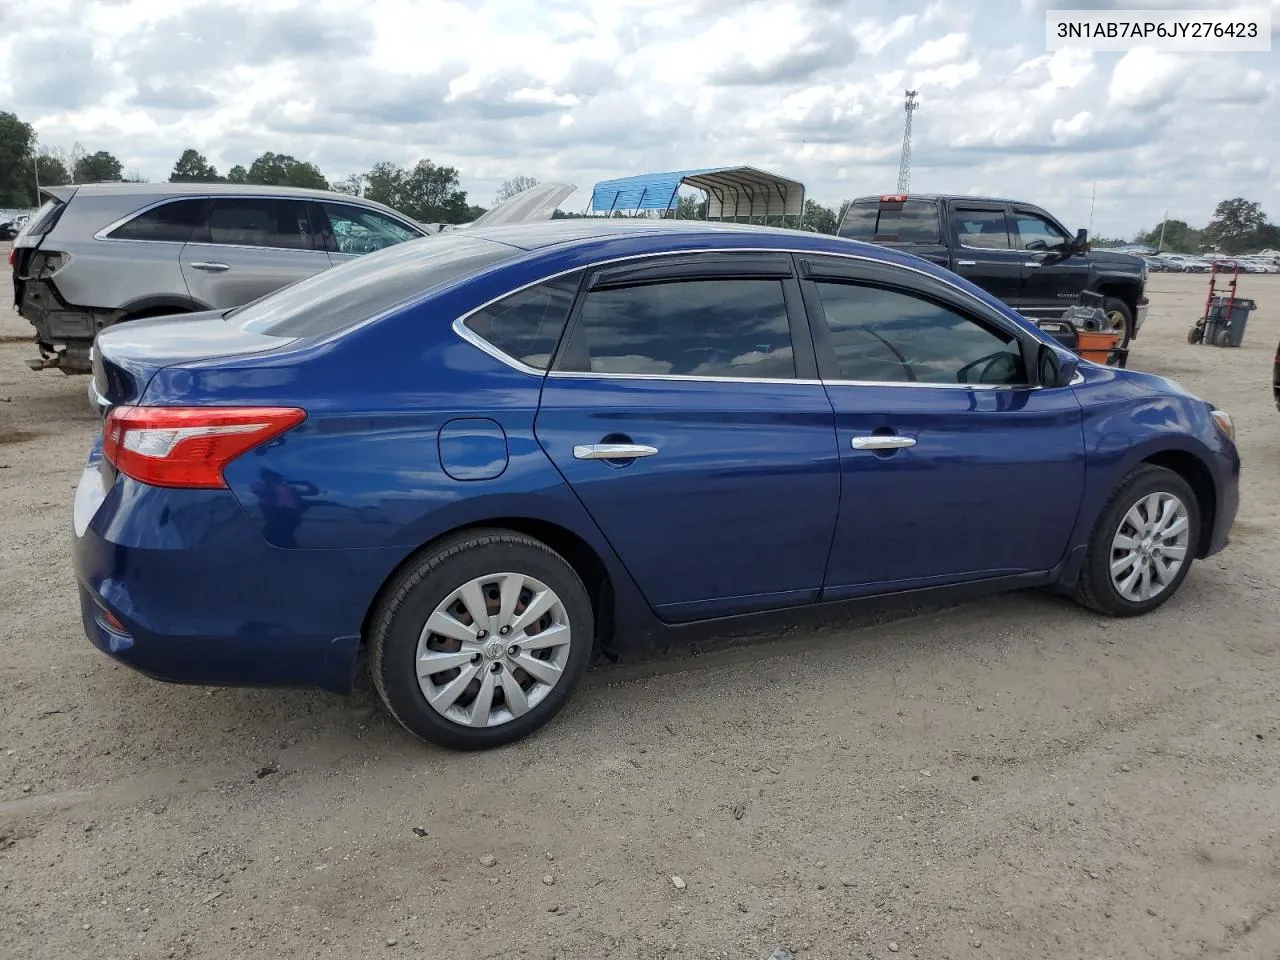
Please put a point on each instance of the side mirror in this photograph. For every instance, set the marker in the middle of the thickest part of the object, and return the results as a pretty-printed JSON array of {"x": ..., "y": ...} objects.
[
  {"x": 1053, "y": 369},
  {"x": 1082, "y": 240}
]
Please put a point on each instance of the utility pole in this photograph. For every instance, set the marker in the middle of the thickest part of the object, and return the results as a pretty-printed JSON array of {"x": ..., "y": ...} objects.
[
  {"x": 1091, "y": 200},
  {"x": 35, "y": 166},
  {"x": 1164, "y": 222},
  {"x": 904, "y": 164}
]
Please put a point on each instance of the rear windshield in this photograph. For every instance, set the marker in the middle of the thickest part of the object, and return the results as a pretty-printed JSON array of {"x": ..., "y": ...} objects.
[
  {"x": 42, "y": 220},
  {"x": 369, "y": 285},
  {"x": 912, "y": 221}
]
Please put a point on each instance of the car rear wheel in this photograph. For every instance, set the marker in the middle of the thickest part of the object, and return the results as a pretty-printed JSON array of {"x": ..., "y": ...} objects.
[
  {"x": 1142, "y": 545},
  {"x": 482, "y": 640}
]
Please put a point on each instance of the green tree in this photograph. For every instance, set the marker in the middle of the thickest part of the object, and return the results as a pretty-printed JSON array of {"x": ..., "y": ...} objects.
[
  {"x": 17, "y": 181},
  {"x": 192, "y": 167},
  {"x": 237, "y": 174},
  {"x": 52, "y": 171},
  {"x": 1235, "y": 225},
  {"x": 820, "y": 218},
  {"x": 426, "y": 192},
  {"x": 688, "y": 207},
  {"x": 1178, "y": 237},
  {"x": 100, "y": 167},
  {"x": 517, "y": 184},
  {"x": 282, "y": 170},
  {"x": 352, "y": 185}
]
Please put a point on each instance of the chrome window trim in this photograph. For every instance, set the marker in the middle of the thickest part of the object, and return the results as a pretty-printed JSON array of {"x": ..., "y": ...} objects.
[
  {"x": 465, "y": 333},
  {"x": 117, "y": 224}
]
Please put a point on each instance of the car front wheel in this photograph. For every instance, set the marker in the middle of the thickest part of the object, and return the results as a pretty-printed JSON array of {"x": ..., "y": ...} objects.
[
  {"x": 482, "y": 640},
  {"x": 1142, "y": 545}
]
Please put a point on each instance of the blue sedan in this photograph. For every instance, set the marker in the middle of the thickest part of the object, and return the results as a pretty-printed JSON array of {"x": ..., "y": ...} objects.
[{"x": 478, "y": 457}]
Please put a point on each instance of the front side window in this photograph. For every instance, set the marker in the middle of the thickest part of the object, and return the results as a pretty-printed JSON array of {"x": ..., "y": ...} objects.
[
  {"x": 526, "y": 326},
  {"x": 1037, "y": 233},
  {"x": 169, "y": 223},
  {"x": 984, "y": 229},
  {"x": 256, "y": 222},
  {"x": 886, "y": 336},
  {"x": 699, "y": 328},
  {"x": 358, "y": 231}
]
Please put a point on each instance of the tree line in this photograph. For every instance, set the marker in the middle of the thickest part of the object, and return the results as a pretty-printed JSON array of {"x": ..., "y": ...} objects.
[{"x": 1238, "y": 226}]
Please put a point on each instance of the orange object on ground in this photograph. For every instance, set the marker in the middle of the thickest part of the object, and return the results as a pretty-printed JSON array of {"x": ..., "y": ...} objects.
[{"x": 1097, "y": 345}]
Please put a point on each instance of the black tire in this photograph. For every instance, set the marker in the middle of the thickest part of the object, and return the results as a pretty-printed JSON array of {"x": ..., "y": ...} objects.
[
  {"x": 1195, "y": 334},
  {"x": 420, "y": 588},
  {"x": 1113, "y": 306},
  {"x": 1223, "y": 338},
  {"x": 1094, "y": 588}
]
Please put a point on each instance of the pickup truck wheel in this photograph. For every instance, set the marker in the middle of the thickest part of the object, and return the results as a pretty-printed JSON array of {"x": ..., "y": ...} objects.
[{"x": 1119, "y": 319}]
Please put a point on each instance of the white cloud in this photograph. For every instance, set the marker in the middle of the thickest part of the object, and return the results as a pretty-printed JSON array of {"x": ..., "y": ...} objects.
[{"x": 581, "y": 90}]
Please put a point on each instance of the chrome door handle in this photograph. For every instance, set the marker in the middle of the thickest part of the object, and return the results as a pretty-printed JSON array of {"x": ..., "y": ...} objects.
[
  {"x": 1032, "y": 263},
  {"x": 882, "y": 443},
  {"x": 966, "y": 263},
  {"x": 212, "y": 266},
  {"x": 612, "y": 451}
]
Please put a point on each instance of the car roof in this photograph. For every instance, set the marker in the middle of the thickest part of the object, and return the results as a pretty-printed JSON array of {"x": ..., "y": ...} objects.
[{"x": 546, "y": 233}]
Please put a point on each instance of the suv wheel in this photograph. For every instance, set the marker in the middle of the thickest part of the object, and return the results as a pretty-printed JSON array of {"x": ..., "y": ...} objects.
[{"x": 1119, "y": 319}]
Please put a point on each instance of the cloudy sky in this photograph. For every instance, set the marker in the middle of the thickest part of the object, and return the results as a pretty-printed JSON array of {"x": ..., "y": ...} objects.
[{"x": 582, "y": 90}]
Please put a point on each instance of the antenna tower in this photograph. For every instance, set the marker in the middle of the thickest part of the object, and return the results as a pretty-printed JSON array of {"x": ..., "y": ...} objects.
[{"x": 904, "y": 165}]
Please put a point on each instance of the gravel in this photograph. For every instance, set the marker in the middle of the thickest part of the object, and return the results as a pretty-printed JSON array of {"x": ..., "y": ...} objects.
[{"x": 320, "y": 863}]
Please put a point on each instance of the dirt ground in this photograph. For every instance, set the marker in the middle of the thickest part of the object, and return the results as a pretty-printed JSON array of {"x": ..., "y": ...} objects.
[{"x": 1014, "y": 778}]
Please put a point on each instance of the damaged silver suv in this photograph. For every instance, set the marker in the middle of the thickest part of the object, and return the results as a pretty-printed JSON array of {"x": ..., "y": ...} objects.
[{"x": 98, "y": 254}]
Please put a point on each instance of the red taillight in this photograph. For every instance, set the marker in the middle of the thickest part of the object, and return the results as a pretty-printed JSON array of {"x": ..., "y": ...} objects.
[{"x": 188, "y": 446}]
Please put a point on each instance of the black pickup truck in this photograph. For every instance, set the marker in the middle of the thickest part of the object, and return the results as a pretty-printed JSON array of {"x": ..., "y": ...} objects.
[{"x": 1015, "y": 251}]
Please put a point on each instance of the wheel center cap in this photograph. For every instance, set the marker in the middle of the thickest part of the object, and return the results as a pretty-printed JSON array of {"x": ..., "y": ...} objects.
[{"x": 494, "y": 648}]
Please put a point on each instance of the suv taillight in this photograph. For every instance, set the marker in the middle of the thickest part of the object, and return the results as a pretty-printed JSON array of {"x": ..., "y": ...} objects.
[{"x": 188, "y": 446}]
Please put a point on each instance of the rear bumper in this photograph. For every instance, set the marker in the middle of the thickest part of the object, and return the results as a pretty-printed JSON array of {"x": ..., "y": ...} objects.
[
  {"x": 202, "y": 598},
  {"x": 64, "y": 333}
]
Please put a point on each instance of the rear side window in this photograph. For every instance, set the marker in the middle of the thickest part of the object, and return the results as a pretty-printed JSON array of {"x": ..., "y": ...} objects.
[
  {"x": 256, "y": 222},
  {"x": 983, "y": 229},
  {"x": 368, "y": 286},
  {"x": 706, "y": 328},
  {"x": 357, "y": 231},
  {"x": 910, "y": 221},
  {"x": 169, "y": 223},
  {"x": 526, "y": 326}
]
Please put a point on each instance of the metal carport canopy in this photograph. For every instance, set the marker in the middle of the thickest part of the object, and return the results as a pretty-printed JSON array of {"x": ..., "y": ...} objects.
[{"x": 731, "y": 192}]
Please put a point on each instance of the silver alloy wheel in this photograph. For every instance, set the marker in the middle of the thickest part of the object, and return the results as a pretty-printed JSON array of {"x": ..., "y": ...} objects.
[
  {"x": 1150, "y": 546},
  {"x": 1115, "y": 321},
  {"x": 493, "y": 649}
]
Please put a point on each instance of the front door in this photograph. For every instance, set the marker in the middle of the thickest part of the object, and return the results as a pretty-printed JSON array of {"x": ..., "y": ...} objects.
[
  {"x": 984, "y": 254},
  {"x": 954, "y": 468},
  {"x": 348, "y": 231},
  {"x": 249, "y": 247},
  {"x": 1054, "y": 275},
  {"x": 692, "y": 426}
]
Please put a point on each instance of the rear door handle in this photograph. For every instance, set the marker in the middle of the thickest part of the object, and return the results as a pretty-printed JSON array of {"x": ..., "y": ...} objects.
[
  {"x": 882, "y": 443},
  {"x": 211, "y": 266},
  {"x": 966, "y": 263},
  {"x": 612, "y": 451},
  {"x": 1032, "y": 263}
]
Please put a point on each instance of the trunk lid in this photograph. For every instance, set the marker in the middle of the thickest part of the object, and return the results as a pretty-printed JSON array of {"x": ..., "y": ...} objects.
[{"x": 128, "y": 355}]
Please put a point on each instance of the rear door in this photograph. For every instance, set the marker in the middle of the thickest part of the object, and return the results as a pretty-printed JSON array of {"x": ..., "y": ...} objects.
[
  {"x": 684, "y": 411},
  {"x": 984, "y": 253},
  {"x": 1053, "y": 275},
  {"x": 954, "y": 467},
  {"x": 348, "y": 230},
  {"x": 248, "y": 247}
]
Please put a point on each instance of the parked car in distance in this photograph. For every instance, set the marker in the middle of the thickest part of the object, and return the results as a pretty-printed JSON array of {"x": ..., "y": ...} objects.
[
  {"x": 101, "y": 254},
  {"x": 482, "y": 457},
  {"x": 1015, "y": 251}
]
